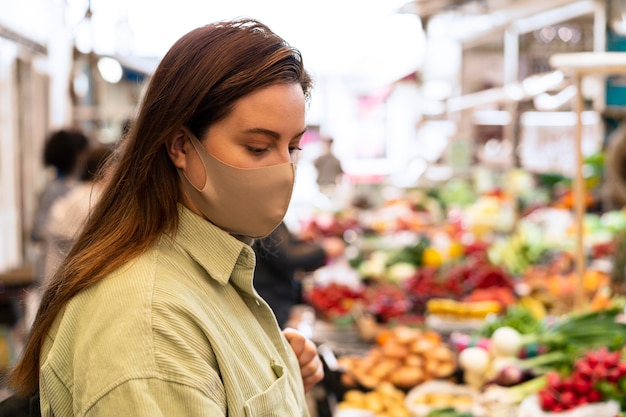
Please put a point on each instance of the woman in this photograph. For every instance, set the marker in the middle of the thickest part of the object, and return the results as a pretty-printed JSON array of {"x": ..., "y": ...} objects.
[{"x": 153, "y": 312}]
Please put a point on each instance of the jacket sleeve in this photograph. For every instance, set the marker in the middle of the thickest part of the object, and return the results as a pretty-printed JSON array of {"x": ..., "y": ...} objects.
[{"x": 291, "y": 252}]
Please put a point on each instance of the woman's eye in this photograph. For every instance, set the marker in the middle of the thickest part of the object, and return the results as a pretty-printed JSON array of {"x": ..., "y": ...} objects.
[
  {"x": 294, "y": 149},
  {"x": 257, "y": 150}
]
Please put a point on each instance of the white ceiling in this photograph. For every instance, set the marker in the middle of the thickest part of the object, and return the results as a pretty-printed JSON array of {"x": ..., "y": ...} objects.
[
  {"x": 338, "y": 37},
  {"x": 333, "y": 35},
  {"x": 362, "y": 38}
]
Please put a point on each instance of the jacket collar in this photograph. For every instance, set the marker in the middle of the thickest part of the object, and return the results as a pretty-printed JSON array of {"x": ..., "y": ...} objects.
[{"x": 215, "y": 250}]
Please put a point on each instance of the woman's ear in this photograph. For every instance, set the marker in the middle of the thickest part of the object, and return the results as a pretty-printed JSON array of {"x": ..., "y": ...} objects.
[{"x": 177, "y": 149}]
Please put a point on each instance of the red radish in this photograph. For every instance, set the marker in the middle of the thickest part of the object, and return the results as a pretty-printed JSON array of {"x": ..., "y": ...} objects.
[
  {"x": 600, "y": 372},
  {"x": 598, "y": 376},
  {"x": 580, "y": 384},
  {"x": 613, "y": 374},
  {"x": 553, "y": 379},
  {"x": 594, "y": 396},
  {"x": 584, "y": 369},
  {"x": 568, "y": 399},
  {"x": 557, "y": 408},
  {"x": 567, "y": 383},
  {"x": 593, "y": 358},
  {"x": 546, "y": 400}
]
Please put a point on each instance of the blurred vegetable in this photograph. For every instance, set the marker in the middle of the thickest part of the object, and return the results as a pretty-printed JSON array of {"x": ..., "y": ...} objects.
[
  {"x": 384, "y": 399},
  {"x": 506, "y": 342},
  {"x": 412, "y": 254},
  {"x": 474, "y": 359},
  {"x": 519, "y": 250},
  {"x": 399, "y": 272},
  {"x": 614, "y": 221},
  {"x": 462, "y": 309},
  {"x": 517, "y": 317},
  {"x": 515, "y": 394},
  {"x": 333, "y": 300},
  {"x": 598, "y": 376},
  {"x": 386, "y": 302},
  {"x": 585, "y": 330},
  {"x": 571, "y": 337},
  {"x": 402, "y": 356},
  {"x": 432, "y": 257},
  {"x": 503, "y": 295},
  {"x": 512, "y": 374},
  {"x": 457, "y": 192}
]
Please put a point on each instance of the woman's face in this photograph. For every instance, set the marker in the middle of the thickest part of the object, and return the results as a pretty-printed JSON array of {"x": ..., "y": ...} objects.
[{"x": 264, "y": 128}]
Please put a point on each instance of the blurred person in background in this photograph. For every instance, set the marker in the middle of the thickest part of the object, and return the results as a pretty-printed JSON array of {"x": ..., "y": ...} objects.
[
  {"x": 279, "y": 257},
  {"x": 153, "y": 311},
  {"x": 69, "y": 212},
  {"x": 328, "y": 166},
  {"x": 64, "y": 152}
]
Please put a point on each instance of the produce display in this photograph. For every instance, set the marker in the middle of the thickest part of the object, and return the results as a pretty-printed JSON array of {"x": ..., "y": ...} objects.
[
  {"x": 385, "y": 400},
  {"x": 463, "y": 309},
  {"x": 599, "y": 375},
  {"x": 402, "y": 356},
  {"x": 442, "y": 398},
  {"x": 460, "y": 296}
]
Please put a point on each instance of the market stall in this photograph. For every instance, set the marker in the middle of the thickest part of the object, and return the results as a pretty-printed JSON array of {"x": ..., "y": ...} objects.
[{"x": 457, "y": 302}]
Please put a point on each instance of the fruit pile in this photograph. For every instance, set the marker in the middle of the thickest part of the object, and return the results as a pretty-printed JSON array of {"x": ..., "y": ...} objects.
[
  {"x": 383, "y": 301},
  {"x": 474, "y": 279},
  {"x": 333, "y": 300},
  {"x": 459, "y": 310},
  {"x": 387, "y": 302},
  {"x": 598, "y": 376},
  {"x": 403, "y": 356},
  {"x": 385, "y": 400}
]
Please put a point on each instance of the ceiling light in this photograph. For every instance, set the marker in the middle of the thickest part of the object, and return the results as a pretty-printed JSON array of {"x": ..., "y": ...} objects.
[{"x": 110, "y": 70}]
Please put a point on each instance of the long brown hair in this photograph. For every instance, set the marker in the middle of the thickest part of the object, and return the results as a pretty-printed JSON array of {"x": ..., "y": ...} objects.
[{"x": 196, "y": 84}]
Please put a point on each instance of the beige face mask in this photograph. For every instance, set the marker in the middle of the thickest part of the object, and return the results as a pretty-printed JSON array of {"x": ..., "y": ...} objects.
[{"x": 243, "y": 201}]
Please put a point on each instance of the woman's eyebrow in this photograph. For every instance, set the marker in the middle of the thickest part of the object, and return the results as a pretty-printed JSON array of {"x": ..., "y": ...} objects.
[
  {"x": 301, "y": 133},
  {"x": 263, "y": 131},
  {"x": 271, "y": 133}
]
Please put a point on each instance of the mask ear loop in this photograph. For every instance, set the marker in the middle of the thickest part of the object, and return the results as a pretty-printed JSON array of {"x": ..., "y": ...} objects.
[{"x": 195, "y": 143}]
